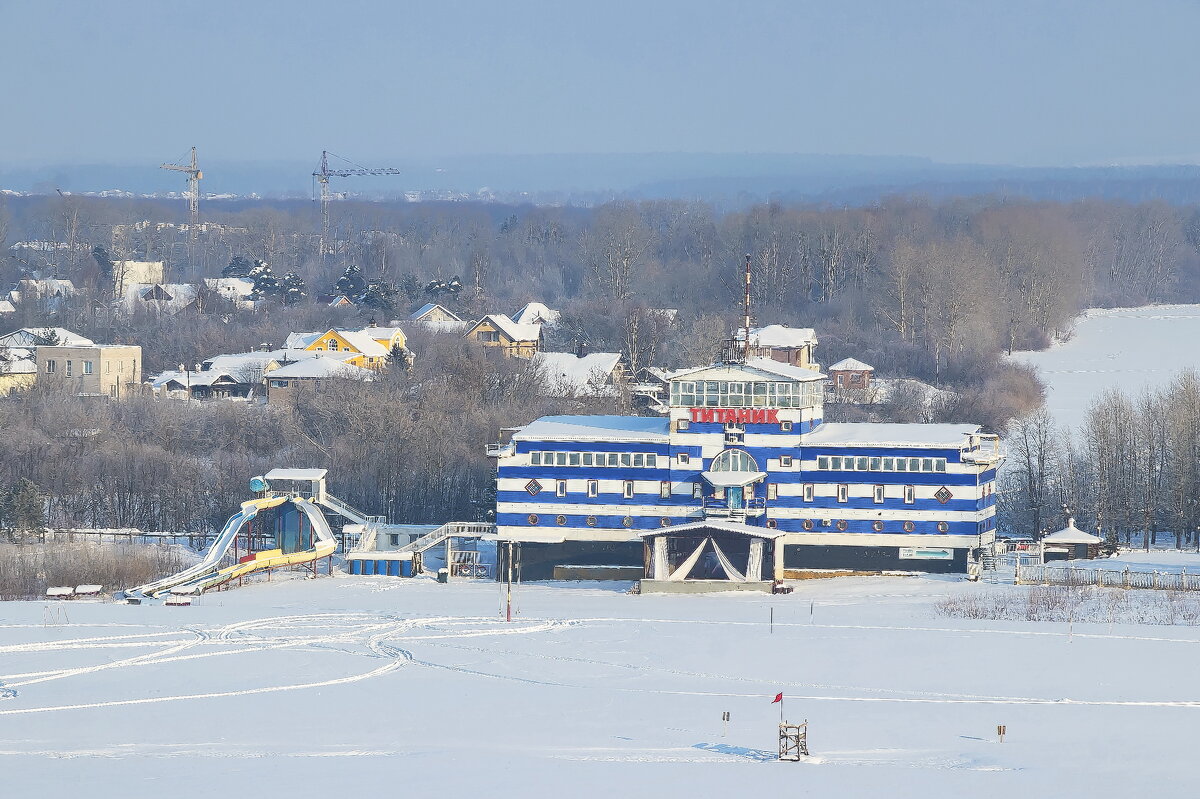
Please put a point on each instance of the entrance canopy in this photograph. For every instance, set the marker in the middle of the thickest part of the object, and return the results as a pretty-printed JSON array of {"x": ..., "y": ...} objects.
[
  {"x": 707, "y": 551},
  {"x": 701, "y": 528},
  {"x": 732, "y": 479}
]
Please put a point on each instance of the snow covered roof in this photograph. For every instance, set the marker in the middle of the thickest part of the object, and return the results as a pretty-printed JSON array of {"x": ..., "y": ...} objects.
[
  {"x": 596, "y": 428},
  {"x": 1072, "y": 535},
  {"x": 230, "y": 287},
  {"x": 514, "y": 330},
  {"x": 432, "y": 306},
  {"x": 7, "y": 307},
  {"x": 725, "y": 527},
  {"x": 850, "y": 365},
  {"x": 321, "y": 367},
  {"x": 754, "y": 368},
  {"x": 164, "y": 296},
  {"x": 779, "y": 336},
  {"x": 36, "y": 337},
  {"x": 382, "y": 333},
  {"x": 299, "y": 341},
  {"x": 536, "y": 313},
  {"x": 361, "y": 340},
  {"x": 205, "y": 377},
  {"x": 568, "y": 373},
  {"x": 874, "y": 434},
  {"x": 296, "y": 474}
]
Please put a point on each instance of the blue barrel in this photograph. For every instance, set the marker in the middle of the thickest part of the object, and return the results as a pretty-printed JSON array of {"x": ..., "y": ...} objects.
[
  {"x": 355, "y": 567},
  {"x": 368, "y": 567},
  {"x": 406, "y": 568}
]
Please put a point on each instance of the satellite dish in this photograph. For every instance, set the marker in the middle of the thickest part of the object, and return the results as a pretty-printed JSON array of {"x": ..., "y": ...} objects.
[{"x": 258, "y": 484}]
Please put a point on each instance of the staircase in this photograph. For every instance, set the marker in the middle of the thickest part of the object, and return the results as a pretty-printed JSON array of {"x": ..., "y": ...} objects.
[{"x": 448, "y": 530}]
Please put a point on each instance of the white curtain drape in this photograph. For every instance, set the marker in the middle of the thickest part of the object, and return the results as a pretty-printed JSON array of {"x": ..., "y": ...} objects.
[
  {"x": 658, "y": 557},
  {"x": 754, "y": 565},
  {"x": 686, "y": 567},
  {"x": 733, "y": 574}
]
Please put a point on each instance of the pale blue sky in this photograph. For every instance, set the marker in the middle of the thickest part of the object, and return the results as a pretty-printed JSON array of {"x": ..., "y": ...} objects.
[{"x": 1034, "y": 83}]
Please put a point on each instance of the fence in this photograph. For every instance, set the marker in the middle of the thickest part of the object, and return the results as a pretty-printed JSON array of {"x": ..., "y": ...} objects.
[{"x": 1101, "y": 578}]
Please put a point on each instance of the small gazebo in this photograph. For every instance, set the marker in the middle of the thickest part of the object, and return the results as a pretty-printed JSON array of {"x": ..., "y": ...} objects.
[
  {"x": 1070, "y": 543},
  {"x": 709, "y": 556}
]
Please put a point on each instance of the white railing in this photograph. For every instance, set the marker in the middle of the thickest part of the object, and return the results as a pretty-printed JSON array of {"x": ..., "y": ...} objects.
[{"x": 448, "y": 530}]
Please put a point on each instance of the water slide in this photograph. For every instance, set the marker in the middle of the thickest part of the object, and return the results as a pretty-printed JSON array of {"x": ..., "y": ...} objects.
[{"x": 208, "y": 573}]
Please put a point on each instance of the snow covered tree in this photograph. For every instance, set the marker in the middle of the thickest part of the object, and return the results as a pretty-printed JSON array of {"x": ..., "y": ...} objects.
[
  {"x": 266, "y": 285},
  {"x": 293, "y": 289},
  {"x": 239, "y": 266},
  {"x": 380, "y": 296},
  {"x": 351, "y": 283}
]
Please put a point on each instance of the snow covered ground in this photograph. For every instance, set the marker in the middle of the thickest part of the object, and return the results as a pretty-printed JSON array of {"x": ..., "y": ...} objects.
[
  {"x": 383, "y": 686},
  {"x": 1126, "y": 348}
]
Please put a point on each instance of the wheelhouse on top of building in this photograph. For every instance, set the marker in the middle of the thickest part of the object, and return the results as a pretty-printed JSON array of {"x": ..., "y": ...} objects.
[{"x": 740, "y": 482}]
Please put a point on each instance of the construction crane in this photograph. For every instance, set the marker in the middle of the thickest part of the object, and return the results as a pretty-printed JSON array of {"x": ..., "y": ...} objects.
[
  {"x": 322, "y": 176},
  {"x": 194, "y": 175}
]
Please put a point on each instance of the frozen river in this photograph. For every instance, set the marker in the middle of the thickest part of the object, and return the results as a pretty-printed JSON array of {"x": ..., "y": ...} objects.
[
  {"x": 380, "y": 686},
  {"x": 1126, "y": 348}
]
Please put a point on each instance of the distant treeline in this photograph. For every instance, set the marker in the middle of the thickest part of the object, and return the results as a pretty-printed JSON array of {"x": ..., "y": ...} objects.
[{"x": 933, "y": 290}]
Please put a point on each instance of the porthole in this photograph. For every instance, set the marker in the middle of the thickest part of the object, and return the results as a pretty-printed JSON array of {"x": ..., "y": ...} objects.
[
  {"x": 842, "y": 524},
  {"x": 627, "y": 521},
  {"x": 772, "y": 523},
  {"x": 664, "y": 521},
  {"x": 943, "y": 527},
  {"x": 560, "y": 520},
  {"x": 807, "y": 525},
  {"x": 877, "y": 526},
  {"x": 533, "y": 519},
  {"x": 909, "y": 527},
  {"x": 591, "y": 521}
]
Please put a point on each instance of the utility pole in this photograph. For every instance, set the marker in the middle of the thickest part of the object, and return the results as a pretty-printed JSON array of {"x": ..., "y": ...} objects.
[
  {"x": 746, "y": 314},
  {"x": 194, "y": 175},
  {"x": 322, "y": 176},
  {"x": 508, "y": 568}
]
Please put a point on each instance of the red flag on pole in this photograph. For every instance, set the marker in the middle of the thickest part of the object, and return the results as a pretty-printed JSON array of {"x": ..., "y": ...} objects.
[{"x": 778, "y": 698}]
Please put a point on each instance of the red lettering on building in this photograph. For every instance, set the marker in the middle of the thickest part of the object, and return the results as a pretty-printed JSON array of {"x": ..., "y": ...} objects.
[{"x": 735, "y": 416}]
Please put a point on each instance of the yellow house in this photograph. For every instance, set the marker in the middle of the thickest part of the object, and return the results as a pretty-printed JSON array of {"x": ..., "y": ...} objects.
[
  {"x": 517, "y": 340},
  {"x": 370, "y": 346}
]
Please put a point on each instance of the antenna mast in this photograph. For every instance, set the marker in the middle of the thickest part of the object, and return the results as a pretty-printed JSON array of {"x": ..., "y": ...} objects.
[
  {"x": 194, "y": 175},
  {"x": 323, "y": 174},
  {"x": 746, "y": 314}
]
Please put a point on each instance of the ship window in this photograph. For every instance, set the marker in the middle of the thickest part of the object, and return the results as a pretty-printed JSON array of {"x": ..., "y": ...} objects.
[
  {"x": 587, "y": 459},
  {"x": 733, "y": 460},
  {"x": 910, "y": 495},
  {"x": 627, "y": 489},
  {"x": 593, "y": 488},
  {"x": 823, "y": 462},
  {"x": 574, "y": 459},
  {"x": 535, "y": 458},
  {"x": 843, "y": 492}
]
